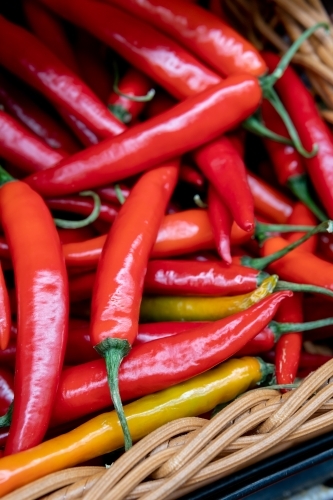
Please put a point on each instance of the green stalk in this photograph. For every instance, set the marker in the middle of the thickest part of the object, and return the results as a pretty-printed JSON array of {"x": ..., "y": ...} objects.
[
  {"x": 5, "y": 177},
  {"x": 298, "y": 184},
  {"x": 113, "y": 351},
  {"x": 255, "y": 125},
  {"x": 281, "y": 328},
  {"x": 262, "y": 262},
  {"x": 75, "y": 224}
]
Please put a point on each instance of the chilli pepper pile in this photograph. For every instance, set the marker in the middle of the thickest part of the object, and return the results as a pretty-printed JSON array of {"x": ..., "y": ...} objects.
[{"x": 166, "y": 195}]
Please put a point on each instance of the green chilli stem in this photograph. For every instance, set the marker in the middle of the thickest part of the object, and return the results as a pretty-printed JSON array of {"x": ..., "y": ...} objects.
[
  {"x": 120, "y": 112},
  {"x": 297, "y": 287},
  {"x": 299, "y": 186},
  {"x": 113, "y": 351},
  {"x": 255, "y": 125},
  {"x": 198, "y": 201},
  {"x": 278, "y": 387},
  {"x": 271, "y": 79},
  {"x": 262, "y": 262},
  {"x": 76, "y": 224},
  {"x": 5, "y": 177},
  {"x": 136, "y": 98},
  {"x": 281, "y": 328},
  {"x": 276, "y": 102},
  {"x": 6, "y": 420},
  {"x": 119, "y": 194},
  {"x": 262, "y": 229}
]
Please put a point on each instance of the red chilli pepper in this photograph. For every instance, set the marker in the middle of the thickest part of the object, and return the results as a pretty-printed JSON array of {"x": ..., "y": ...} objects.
[
  {"x": 49, "y": 29},
  {"x": 5, "y": 316},
  {"x": 268, "y": 201},
  {"x": 287, "y": 162},
  {"x": 144, "y": 47},
  {"x": 221, "y": 222},
  {"x": 6, "y": 390},
  {"x": 180, "y": 233},
  {"x": 224, "y": 167},
  {"x": 118, "y": 285},
  {"x": 162, "y": 363},
  {"x": 82, "y": 205},
  {"x": 42, "y": 297},
  {"x": 191, "y": 175},
  {"x": 311, "y": 129},
  {"x": 22, "y": 148},
  {"x": 19, "y": 103},
  {"x": 289, "y": 345},
  {"x": 133, "y": 84},
  {"x": 212, "y": 40},
  {"x": 302, "y": 215},
  {"x": 176, "y": 131},
  {"x": 28, "y": 58}
]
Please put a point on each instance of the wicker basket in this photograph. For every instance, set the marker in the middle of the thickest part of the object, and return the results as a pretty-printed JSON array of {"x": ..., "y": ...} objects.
[{"x": 189, "y": 453}]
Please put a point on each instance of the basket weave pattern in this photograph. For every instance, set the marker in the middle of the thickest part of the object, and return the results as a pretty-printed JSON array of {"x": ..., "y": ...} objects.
[{"x": 189, "y": 453}]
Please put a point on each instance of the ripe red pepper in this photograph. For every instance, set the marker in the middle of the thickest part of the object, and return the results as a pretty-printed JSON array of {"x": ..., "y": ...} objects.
[
  {"x": 302, "y": 215},
  {"x": 144, "y": 47},
  {"x": 299, "y": 266},
  {"x": 180, "y": 233},
  {"x": 223, "y": 166},
  {"x": 161, "y": 363},
  {"x": 130, "y": 97},
  {"x": 5, "y": 315},
  {"x": 6, "y": 390},
  {"x": 90, "y": 55},
  {"x": 178, "y": 277},
  {"x": 120, "y": 273},
  {"x": 111, "y": 193},
  {"x": 221, "y": 222},
  {"x": 311, "y": 129},
  {"x": 204, "y": 34},
  {"x": 19, "y": 103},
  {"x": 172, "y": 133},
  {"x": 289, "y": 345},
  {"x": 42, "y": 297},
  {"x": 268, "y": 201},
  {"x": 191, "y": 175},
  {"x": 50, "y": 30},
  {"x": 22, "y": 148},
  {"x": 83, "y": 205},
  {"x": 287, "y": 162},
  {"x": 28, "y": 58}
]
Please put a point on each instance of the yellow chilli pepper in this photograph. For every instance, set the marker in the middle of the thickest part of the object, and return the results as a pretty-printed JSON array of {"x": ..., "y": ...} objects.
[
  {"x": 103, "y": 433},
  {"x": 172, "y": 308}
]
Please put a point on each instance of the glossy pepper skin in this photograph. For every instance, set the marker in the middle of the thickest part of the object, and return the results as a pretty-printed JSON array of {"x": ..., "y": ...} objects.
[
  {"x": 221, "y": 222},
  {"x": 22, "y": 148},
  {"x": 178, "y": 277},
  {"x": 50, "y": 30},
  {"x": 161, "y": 363},
  {"x": 204, "y": 34},
  {"x": 6, "y": 390},
  {"x": 299, "y": 266},
  {"x": 103, "y": 434},
  {"x": 20, "y": 105},
  {"x": 82, "y": 205},
  {"x": 120, "y": 273},
  {"x": 28, "y": 58},
  {"x": 180, "y": 233},
  {"x": 42, "y": 297},
  {"x": 302, "y": 215},
  {"x": 5, "y": 314},
  {"x": 173, "y": 308},
  {"x": 144, "y": 47},
  {"x": 132, "y": 84},
  {"x": 311, "y": 129},
  {"x": 168, "y": 135},
  {"x": 268, "y": 201},
  {"x": 289, "y": 345},
  {"x": 223, "y": 166}
]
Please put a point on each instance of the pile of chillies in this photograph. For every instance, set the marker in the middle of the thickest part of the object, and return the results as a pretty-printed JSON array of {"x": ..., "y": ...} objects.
[{"x": 158, "y": 257}]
